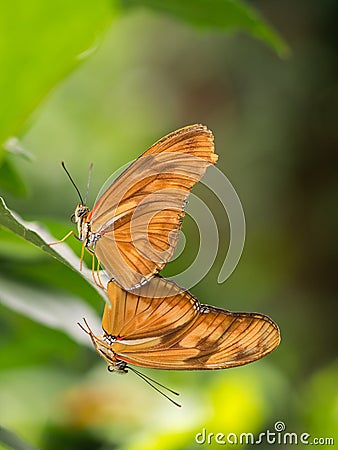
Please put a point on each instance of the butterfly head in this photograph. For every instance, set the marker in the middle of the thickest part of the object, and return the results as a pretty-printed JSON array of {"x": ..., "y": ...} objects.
[
  {"x": 118, "y": 367},
  {"x": 103, "y": 348},
  {"x": 81, "y": 212},
  {"x": 80, "y": 217}
]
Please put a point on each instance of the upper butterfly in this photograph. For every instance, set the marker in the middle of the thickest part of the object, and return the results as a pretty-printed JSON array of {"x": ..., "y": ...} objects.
[{"x": 134, "y": 226}]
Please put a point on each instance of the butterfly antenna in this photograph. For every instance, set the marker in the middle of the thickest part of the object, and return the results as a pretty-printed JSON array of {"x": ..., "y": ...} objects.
[
  {"x": 73, "y": 182},
  {"x": 153, "y": 382},
  {"x": 88, "y": 182}
]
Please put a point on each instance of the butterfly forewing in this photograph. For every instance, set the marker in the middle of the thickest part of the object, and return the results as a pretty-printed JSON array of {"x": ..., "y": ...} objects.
[
  {"x": 164, "y": 327},
  {"x": 139, "y": 217}
]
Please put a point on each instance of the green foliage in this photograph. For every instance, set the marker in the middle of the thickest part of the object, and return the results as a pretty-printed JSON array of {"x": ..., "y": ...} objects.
[
  {"x": 11, "y": 440},
  {"x": 40, "y": 44},
  {"x": 225, "y": 15},
  {"x": 22, "y": 229},
  {"x": 321, "y": 394}
]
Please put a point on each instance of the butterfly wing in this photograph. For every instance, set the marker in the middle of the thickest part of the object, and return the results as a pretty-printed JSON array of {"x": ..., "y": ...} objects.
[
  {"x": 152, "y": 311},
  {"x": 139, "y": 217},
  {"x": 169, "y": 329}
]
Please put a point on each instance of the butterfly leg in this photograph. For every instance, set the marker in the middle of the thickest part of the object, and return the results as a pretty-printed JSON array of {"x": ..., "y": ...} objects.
[
  {"x": 88, "y": 331},
  {"x": 96, "y": 271},
  {"x": 71, "y": 233},
  {"x": 82, "y": 254},
  {"x": 98, "y": 275},
  {"x": 64, "y": 238}
]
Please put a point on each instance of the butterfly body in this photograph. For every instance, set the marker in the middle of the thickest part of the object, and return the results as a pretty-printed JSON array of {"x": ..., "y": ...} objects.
[{"x": 118, "y": 367}]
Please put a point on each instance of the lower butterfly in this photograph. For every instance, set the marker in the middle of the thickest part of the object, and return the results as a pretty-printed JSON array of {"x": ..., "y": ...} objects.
[{"x": 161, "y": 326}]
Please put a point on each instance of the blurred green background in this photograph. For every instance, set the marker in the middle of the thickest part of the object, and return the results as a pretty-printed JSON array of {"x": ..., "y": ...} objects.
[{"x": 100, "y": 83}]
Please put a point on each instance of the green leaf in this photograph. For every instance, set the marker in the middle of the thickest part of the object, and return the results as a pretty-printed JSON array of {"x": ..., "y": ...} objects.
[
  {"x": 11, "y": 440},
  {"x": 217, "y": 14},
  {"x": 35, "y": 233},
  {"x": 40, "y": 43},
  {"x": 14, "y": 248},
  {"x": 30, "y": 232}
]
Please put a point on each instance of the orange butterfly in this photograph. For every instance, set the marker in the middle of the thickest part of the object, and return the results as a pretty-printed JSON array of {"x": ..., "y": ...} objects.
[
  {"x": 134, "y": 226},
  {"x": 161, "y": 326}
]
